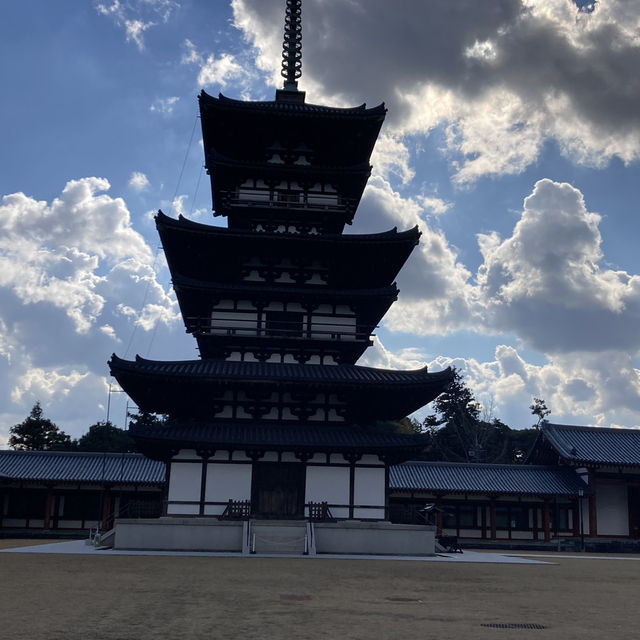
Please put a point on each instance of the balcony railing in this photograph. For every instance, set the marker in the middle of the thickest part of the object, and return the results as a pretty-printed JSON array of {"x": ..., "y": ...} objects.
[{"x": 281, "y": 329}]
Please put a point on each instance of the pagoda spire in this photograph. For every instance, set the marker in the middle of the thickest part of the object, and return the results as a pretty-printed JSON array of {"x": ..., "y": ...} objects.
[{"x": 292, "y": 45}]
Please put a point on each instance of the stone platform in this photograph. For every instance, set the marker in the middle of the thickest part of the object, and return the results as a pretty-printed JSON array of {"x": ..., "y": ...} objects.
[{"x": 294, "y": 537}]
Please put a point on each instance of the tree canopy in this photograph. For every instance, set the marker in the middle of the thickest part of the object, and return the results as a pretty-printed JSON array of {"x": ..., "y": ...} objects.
[
  {"x": 37, "y": 433},
  {"x": 459, "y": 433},
  {"x": 104, "y": 436}
]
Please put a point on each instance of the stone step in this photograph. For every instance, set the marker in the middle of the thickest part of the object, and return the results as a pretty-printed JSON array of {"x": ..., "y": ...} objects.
[{"x": 279, "y": 537}]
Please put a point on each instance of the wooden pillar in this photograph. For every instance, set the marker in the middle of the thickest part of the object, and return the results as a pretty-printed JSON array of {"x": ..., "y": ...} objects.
[
  {"x": 575, "y": 516},
  {"x": 386, "y": 489},
  {"x": 546, "y": 522},
  {"x": 106, "y": 508},
  {"x": 492, "y": 519},
  {"x": 352, "y": 458},
  {"x": 593, "y": 512},
  {"x": 47, "y": 510},
  {"x": 438, "y": 504},
  {"x": 352, "y": 487},
  {"x": 203, "y": 485},
  {"x": 483, "y": 521}
]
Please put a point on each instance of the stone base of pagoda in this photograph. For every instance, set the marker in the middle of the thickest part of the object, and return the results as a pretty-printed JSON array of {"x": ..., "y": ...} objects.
[{"x": 334, "y": 538}]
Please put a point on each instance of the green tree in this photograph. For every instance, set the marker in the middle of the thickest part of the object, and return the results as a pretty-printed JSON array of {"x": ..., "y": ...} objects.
[
  {"x": 104, "y": 436},
  {"x": 146, "y": 419},
  {"x": 460, "y": 433},
  {"x": 407, "y": 426},
  {"x": 540, "y": 410},
  {"x": 37, "y": 433},
  {"x": 520, "y": 443},
  {"x": 457, "y": 433}
]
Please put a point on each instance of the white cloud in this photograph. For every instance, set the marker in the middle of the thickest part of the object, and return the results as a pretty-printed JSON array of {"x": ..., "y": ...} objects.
[
  {"x": 138, "y": 181},
  {"x": 500, "y": 78},
  {"x": 214, "y": 70},
  {"x": 547, "y": 283},
  {"x": 67, "y": 268},
  {"x": 390, "y": 157},
  {"x": 432, "y": 204},
  {"x": 164, "y": 105},
  {"x": 136, "y": 17},
  {"x": 44, "y": 384}
]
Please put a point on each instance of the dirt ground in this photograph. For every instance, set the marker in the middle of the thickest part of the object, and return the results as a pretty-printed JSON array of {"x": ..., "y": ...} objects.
[{"x": 68, "y": 597}]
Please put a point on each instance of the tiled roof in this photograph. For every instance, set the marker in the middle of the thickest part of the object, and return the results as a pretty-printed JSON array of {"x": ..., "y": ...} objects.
[
  {"x": 594, "y": 445},
  {"x": 67, "y": 466},
  {"x": 486, "y": 479},
  {"x": 184, "y": 224},
  {"x": 292, "y": 107},
  {"x": 310, "y": 373},
  {"x": 278, "y": 436}
]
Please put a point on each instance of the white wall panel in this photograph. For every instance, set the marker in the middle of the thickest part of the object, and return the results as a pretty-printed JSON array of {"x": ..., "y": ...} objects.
[
  {"x": 184, "y": 481},
  {"x": 328, "y": 484},
  {"x": 612, "y": 510},
  {"x": 228, "y": 482},
  {"x": 369, "y": 486}
]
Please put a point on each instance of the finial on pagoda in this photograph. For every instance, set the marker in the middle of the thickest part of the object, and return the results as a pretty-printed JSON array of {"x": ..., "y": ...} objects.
[{"x": 292, "y": 53}]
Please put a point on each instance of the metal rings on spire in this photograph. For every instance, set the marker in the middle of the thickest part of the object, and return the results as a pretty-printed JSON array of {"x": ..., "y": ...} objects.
[{"x": 292, "y": 44}]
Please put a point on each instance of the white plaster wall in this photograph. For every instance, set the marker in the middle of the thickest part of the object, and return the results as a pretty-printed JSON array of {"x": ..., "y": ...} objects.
[
  {"x": 612, "y": 510},
  {"x": 184, "y": 481},
  {"x": 184, "y": 484},
  {"x": 369, "y": 486},
  {"x": 370, "y": 458},
  {"x": 327, "y": 484},
  {"x": 226, "y": 482}
]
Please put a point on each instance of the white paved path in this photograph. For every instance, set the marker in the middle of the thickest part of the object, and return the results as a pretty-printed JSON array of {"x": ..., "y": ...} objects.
[{"x": 81, "y": 547}]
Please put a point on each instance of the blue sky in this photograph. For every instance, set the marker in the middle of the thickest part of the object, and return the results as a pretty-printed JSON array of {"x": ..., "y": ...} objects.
[{"x": 512, "y": 139}]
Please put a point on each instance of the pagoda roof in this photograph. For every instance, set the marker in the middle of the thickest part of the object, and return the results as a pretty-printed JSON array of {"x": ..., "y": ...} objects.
[
  {"x": 181, "y": 223},
  {"x": 272, "y": 437},
  {"x": 587, "y": 446},
  {"x": 290, "y": 109},
  {"x": 302, "y": 373},
  {"x": 208, "y": 252},
  {"x": 246, "y": 130},
  {"x": 187, "y": 387}
]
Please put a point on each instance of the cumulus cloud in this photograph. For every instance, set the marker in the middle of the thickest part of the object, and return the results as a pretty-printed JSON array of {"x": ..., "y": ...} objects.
[
  {"x": 138, "y": 181},
  {"x": 215, "y": 70},
  {"x": 67, "y": 269},
  {"x": 548, "y": 283},
  {"x": 500, "y": 77},
  {"x": 435, "y": 293},
  {"x": 580, "y": 388}
]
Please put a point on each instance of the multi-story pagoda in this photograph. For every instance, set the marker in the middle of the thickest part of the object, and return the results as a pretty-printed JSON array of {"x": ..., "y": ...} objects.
[{"x": 276, "y": 414}]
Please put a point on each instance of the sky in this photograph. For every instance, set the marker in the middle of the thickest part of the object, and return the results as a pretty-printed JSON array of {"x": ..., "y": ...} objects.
[{"x": 512, "y": 139}]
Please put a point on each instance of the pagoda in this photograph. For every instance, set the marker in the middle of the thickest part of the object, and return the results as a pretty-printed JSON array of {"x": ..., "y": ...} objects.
[{"x": 275, "y": 415}]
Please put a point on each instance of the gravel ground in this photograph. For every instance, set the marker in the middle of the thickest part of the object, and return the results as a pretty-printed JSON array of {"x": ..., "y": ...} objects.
[{"x": 68, "y": 597}]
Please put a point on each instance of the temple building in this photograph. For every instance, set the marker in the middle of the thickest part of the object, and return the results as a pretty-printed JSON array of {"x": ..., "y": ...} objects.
[{"x": 276, "y": 417}]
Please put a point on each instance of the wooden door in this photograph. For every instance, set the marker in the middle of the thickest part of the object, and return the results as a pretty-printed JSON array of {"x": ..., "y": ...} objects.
[{"x": 277, "y": 490}]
